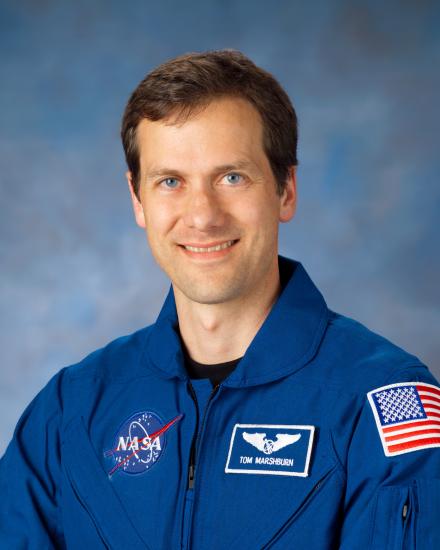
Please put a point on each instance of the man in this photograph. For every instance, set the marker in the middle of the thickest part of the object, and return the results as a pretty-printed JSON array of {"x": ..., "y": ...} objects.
[{"x": 249, "y": 415}]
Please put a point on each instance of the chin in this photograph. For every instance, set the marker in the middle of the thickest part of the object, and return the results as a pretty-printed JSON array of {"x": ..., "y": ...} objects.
[{"x": 208, "y": 295}]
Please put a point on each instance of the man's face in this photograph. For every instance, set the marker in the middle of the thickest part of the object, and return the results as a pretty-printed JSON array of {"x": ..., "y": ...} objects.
[{"x": 209, "y": 181}]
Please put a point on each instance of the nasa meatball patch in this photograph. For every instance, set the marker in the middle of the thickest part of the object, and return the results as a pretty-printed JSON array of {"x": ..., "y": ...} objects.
[
  {"x": 138, "y": 443},
  {"x": 275, "y": 449}
]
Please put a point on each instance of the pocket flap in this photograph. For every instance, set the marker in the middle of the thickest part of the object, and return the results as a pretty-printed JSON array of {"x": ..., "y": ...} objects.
[
  {"x": 294, "y": 531},
  {"x": 95, "y": 491}
]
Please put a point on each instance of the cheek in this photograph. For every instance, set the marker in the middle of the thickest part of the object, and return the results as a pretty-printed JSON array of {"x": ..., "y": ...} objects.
[
  {"x": 259, "y": 214},
  {"x": 160, "y": 217},
  {"x": 248, "y": 209}
]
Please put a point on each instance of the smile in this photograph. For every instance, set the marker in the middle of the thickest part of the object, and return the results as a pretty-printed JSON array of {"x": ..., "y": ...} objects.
[
  {"x": 227, "y": 244},
  {"x": 209, "y": 252}
]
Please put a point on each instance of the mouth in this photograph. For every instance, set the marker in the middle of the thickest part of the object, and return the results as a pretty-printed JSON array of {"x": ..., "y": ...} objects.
[{"x": 214, "y": 250}]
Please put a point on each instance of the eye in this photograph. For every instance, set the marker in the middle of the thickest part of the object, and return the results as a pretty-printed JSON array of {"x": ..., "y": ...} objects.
[
  {"x": 171, "y": 183},
  {"x": 233, "y": 177}
]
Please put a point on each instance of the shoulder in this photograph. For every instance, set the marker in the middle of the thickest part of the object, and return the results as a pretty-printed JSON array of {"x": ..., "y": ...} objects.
[
  {"x": 355, "y": 358},
  {"x": 119, "y": 359}
]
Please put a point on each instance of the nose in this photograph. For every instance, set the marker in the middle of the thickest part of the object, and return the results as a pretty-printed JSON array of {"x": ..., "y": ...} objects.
[{"x": 203, "y": 208}]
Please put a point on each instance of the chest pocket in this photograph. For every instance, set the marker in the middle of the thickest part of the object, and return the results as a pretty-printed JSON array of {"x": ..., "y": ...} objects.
[
  {"x": 406, "y": 516},
  {"x": 92, "y": 488},
  {"x": 392, "y": 526},
  {"x": 315, "y": 523}
]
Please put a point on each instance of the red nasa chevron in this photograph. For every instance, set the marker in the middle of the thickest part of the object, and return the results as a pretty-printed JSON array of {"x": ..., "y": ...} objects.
[{"x": 407, "y": 416}]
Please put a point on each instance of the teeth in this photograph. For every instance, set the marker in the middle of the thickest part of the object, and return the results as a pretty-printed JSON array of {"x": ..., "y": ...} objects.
[{"x": 210, "y": 248}]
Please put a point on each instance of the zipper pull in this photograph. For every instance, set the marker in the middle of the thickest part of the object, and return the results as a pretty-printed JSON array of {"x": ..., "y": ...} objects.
[
  {"x": 191, "y": 476},
  {"x": 404, "y": 511}
]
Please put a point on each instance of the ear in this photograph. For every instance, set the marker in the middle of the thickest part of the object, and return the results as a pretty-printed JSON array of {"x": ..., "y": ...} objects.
[
  {"x": 288, "y": 198},
  {"x": 137, "y": 205}
]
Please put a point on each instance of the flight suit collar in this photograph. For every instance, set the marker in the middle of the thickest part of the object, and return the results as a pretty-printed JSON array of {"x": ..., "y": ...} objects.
[{"x": 286, "y": 341}]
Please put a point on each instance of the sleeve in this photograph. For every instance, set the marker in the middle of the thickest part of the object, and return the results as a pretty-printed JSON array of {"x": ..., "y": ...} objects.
[
  {"x": 392, "y": 498},
  {"x": 29, "y": 477}
]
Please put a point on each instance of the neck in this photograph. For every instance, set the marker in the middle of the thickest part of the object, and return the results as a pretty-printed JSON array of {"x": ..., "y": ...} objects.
[{"x": 217, "y": 333}]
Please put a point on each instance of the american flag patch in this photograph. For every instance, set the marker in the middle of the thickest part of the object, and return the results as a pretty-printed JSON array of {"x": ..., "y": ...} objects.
[{"x": 407, "y": 416}]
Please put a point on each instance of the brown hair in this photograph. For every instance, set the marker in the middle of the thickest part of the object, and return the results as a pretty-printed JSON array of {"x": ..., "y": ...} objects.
[{"x": 186, "y": 84}]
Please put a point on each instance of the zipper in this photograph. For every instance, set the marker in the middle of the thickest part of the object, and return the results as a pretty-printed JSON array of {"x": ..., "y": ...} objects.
[
  {"x": 191, "y": 466},
  {"x": 195, "y": 450},
  {"x": 193, "y": 462}
]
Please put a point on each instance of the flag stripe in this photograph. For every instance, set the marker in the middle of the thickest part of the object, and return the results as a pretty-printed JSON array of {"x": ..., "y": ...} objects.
[
  {"x": 432, "y": 404},
  {"x": 435, "y": 391},
  {"x": 427, "y": 426},
  {"x": 415, "y": 435},
  {"x": 425, "y": 396},
  {"x": 402, "y": 426},
  {"x": 431, "y": 413},
  {"x": 413, "y": 444}
]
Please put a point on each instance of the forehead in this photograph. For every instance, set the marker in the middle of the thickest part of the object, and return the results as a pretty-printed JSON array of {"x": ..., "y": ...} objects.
[{"x": 225, "y": 127}]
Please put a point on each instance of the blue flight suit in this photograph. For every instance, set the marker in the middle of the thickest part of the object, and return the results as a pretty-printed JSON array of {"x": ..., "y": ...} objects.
[{"x": 325, "y": 436}]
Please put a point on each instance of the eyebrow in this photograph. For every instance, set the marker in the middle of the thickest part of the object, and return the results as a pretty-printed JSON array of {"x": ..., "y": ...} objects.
[{"x": 238, "y": 165}]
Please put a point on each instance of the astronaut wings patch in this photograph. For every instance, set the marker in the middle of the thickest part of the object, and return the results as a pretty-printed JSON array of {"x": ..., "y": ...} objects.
[{"x": 407, "y": 416}]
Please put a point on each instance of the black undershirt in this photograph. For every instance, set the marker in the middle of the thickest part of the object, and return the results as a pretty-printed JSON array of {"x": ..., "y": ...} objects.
[{"x": 215, "y": 372}]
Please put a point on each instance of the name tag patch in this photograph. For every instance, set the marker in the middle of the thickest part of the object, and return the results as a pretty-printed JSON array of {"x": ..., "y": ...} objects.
[{"x": 276, "y": 449}]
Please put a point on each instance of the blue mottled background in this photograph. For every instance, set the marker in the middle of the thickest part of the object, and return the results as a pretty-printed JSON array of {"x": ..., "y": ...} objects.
[{"x": 77, "y": 271}]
